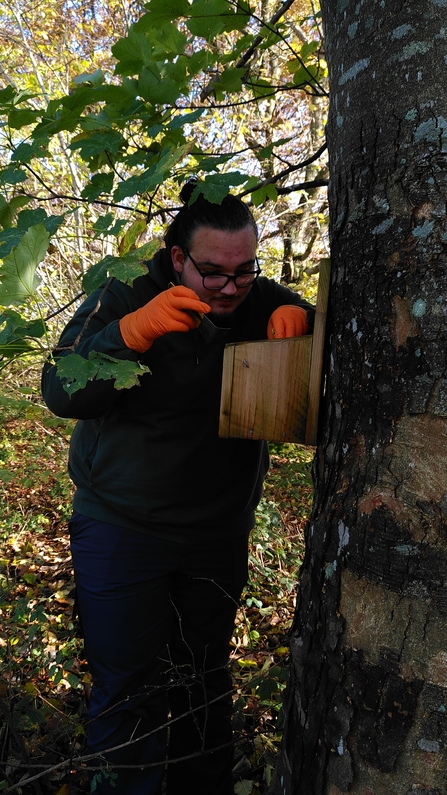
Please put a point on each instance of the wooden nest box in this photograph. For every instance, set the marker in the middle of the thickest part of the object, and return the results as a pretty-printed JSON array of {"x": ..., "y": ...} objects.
[{"x": 271, "y": 388}]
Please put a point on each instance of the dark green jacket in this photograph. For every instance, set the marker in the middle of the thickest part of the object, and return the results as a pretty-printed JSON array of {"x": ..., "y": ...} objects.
[{"x": 149, "y": 458}]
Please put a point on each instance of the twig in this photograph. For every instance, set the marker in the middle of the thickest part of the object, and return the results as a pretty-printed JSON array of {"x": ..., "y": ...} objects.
[
  {"x": 94, "y": 311},
  {"x": 58, "y": 311},
  {"x": 99, "y": 754},
  {"x": 4, "y": 709}
]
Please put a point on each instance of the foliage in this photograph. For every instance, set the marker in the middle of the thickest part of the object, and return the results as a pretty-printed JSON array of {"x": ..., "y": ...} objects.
[
  {"x": 44, "y": 675},
  {"x": 92, "y": 156}
]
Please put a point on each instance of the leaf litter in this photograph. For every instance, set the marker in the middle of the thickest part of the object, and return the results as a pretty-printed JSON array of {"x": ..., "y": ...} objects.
[{"x": 44, "y": 677}]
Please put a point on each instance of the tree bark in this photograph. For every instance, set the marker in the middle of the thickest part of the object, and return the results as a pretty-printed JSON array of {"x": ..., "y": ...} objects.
[{"x": 366, "y": 705}]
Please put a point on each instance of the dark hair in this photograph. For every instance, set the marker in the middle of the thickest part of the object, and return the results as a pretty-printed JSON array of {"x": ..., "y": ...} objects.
[{"x": 230, "y": 215}]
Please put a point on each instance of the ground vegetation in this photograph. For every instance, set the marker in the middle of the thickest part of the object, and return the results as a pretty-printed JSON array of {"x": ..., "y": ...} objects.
[{"x": 44, "y": 677}]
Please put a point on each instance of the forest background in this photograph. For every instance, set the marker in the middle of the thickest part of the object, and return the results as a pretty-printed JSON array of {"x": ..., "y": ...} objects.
[{"x": 106, "y": 109}]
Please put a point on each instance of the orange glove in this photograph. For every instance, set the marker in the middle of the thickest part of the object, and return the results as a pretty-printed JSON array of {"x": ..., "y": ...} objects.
[
  {"x": 167, "y": 312},
  {"x": 287, "y": 321}
]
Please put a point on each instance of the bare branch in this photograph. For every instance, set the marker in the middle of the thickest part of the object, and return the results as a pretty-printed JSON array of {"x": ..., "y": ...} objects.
[
  {"x": 318, "y": 183},
  {"x": 58, "y": 311}
]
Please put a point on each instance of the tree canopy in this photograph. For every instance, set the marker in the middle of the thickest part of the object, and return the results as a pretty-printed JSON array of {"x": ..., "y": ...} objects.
[{"x": 107, "y": 109}]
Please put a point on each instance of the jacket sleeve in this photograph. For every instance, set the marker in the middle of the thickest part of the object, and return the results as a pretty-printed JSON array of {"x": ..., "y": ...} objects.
[{"x": 94, "y": 327}]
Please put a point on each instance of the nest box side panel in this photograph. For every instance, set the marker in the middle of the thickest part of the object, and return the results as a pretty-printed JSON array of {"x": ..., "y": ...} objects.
[{"x": 265, "y": 389}]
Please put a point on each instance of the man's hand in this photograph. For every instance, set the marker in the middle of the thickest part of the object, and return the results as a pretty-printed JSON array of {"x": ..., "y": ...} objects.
[
  {"x": 167, "y": 312},
  {"x": 287, "y": 321}
]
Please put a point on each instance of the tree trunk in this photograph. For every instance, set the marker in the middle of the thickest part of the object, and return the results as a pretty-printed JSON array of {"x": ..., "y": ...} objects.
[{"x": 366, "y": 706}]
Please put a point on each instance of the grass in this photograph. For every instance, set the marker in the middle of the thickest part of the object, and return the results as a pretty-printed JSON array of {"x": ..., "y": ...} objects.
[{"x": 43, "y": 674}]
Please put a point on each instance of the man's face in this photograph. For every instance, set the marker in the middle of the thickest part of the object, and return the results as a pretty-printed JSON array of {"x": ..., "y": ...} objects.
[{"x": 215, "y": 251}]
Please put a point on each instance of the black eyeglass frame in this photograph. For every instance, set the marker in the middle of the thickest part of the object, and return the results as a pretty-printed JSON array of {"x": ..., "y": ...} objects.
[{"x": 225, "y": 276}]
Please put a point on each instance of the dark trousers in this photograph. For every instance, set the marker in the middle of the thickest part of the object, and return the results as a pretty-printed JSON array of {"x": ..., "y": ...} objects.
[{"x": 157, "y": 617}]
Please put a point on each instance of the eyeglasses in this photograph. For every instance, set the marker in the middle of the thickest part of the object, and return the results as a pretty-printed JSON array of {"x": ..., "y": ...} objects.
[{"x": 216, "y": 281}]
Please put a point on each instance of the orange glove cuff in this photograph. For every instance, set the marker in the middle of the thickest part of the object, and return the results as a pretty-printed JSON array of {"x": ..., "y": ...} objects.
[
  {"x": 287, "y": 321},
  {"x": 131, "y": 335}
]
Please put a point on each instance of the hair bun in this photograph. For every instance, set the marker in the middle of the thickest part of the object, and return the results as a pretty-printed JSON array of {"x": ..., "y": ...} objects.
[{"x": 187, "y": 190}]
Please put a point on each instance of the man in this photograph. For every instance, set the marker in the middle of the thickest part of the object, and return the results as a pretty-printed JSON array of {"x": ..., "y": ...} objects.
[{"x": 163, "y": 507}]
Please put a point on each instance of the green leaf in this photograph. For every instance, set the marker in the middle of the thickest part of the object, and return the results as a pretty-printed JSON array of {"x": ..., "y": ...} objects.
[
  {"x": 238, "y": 20},
  {"x": 308, "y": 49},
  {"x": 72, "y": 680},
  {"x": 125, "y": 268},
  {"x": 57, "y": 677},
  {"x": 12, "y": 237},
  {"x": 95, "y": 79},
  {"x": 78, "y": 99},
  {"x": 208, "y": 18},
  {"x": 9, "y": 209},
  {"x": 216, "y": 186},
  {"x": 53, "y": 222},
  {"x": 100, "y": 183},
  {"x": 267, "y": 150},
  {"x": 29, "y": 577},
  {"x": 135, "y": 185},
  {"x": 25, "y": 96},
  {"x": 243, "y": 787},
  {"x": 167, "y": 41},
  {"x": 15, "y": 330},
  {"x": 230, "y": 80},
  {"x": 103, "y": 223},
  {"x": 188, "y": 118},
  {"x": 13, "y": 403},
  {"x": 177, "y": 71},
  {"x": 132, "y": 53},
  {"x": 27, "y": 218},
  {"x": 251, "y": 183},
  {"x": 121, "y": 95},
  {"x": 211, "y": 163},
  {"x": 305, "y": 75},
  {"x": 26, "y": 152},
  {"x": 262, "y": 88},
  {"x": 270, "y": 36},
  {"x": 117, "y": 227},
  {"x": 20, "y": 118},
  {"x": 156, "y": 89},
  {"x": 258, "y": 197},
  {"x": 17, "y": 325},
  {"x": 12, "y": 176},
  {"x": 199, "y": 61},
  {"x": 153, "y": 176},
  {"x": 97, "y": 142},
  {"x": 77, "y": 371},
  {"x": 266, "y": 689},
  {"x": 206, "y": 28},
  {"x": 6, "y": 96},
  {"x": 130, "y": 237},
  {"x": 55, "y": 121},
  {"x": 8, "y": 239},
  {"x": 161, "y": 11},
  {"x": 18, "y": 278}
]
